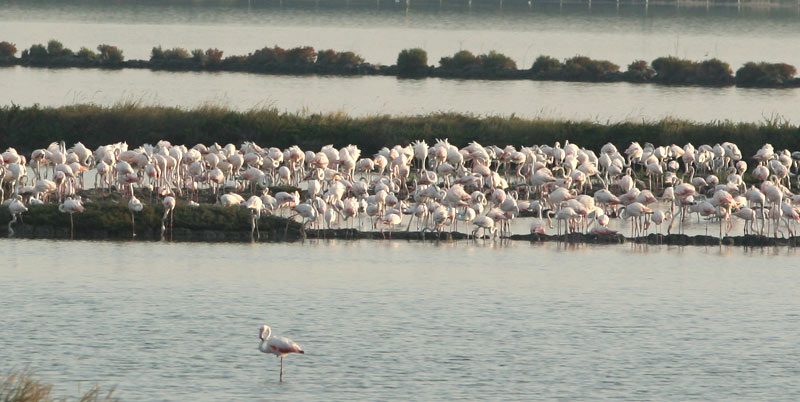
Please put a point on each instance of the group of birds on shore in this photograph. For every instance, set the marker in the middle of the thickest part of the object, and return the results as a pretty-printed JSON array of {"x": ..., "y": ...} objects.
[{"x": 434, "y": 187}]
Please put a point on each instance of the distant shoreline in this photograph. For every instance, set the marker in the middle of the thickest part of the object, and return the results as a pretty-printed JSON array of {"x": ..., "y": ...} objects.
[{"x": 412, "y": 63}]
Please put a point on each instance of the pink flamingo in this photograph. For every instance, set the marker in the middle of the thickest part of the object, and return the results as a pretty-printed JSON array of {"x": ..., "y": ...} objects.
[
  {"x": 71, "y": 206},
  {"x": 277, "y": 345},
  {"x": 169, "y": 206}
]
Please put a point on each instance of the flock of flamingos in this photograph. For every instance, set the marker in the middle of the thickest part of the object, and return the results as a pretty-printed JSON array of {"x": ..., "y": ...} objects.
[{"x": 431, "y": 187}]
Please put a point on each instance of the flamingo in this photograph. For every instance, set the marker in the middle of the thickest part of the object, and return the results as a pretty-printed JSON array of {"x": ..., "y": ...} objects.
[
  {"x": 134, "y": 205},
  {"x": 277, "y": 345},
  {"x": 71, "y": 206},
  {"x": 486, "y": 223},
  {"x": 16, "y": 208},
  {"x": 169, "y": 206},
  {"x": 391, "y": 220},
  {"x": 254, "y": 204}
]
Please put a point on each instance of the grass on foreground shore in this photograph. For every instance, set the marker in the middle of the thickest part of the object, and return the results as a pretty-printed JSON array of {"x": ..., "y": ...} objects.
[
  {"x": 23, "y": 387},
  {"x": 29, "y": 128}
]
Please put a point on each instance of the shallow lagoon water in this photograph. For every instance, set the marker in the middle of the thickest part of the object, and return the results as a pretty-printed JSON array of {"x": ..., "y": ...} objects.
[
  {"x": 369, "y": 96},
  {"x": 404, "y": 320},
  {"x": 378, "y": 31}
]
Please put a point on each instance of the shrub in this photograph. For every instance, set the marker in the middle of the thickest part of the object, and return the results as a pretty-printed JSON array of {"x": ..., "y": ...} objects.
[
  {"x": 86, "y": 54},
  {"x": 638, "y": 66},
  {"x": 463, "y": 59},
  {"x": 327, "y": 57},
  {"x": 714, "y": 72},
  {"x": 36, "y": 52},
  {"x": 235, "y": 62},
  {"x": 157, "y": 53},
  {"x": 56, "y": 49},
  {"x": 213, "y": 56},
  {"x": 546, "y": 65},
  {"x": 199, "y": 56},
  {"x": 639, "y": 70},
  {"x": 412, "y": 61},
  {"x": 7, "y": 49},
  {"x": 672, "y": 70},
  {"x": 176, "y": 53},
  {"x": 783, "y": 71},
  {"x": 267, "y": 55},
  {"x": 301, "y": 55},
  {"x": 110, "y": 54},
  {"x": 497, "y": 61},
  {"x": 349, "y": 59},
  {"x": 764, "y": 74},
  {"x": 583, "y": 68},
  {"x": 341, "y": 59}
]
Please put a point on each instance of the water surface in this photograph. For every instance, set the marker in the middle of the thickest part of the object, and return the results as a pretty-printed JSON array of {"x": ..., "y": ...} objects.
[
  {"x": 404, "y": 320},
  {"x": 379, "y": 30},
  {"x": 367, "y": 96}
]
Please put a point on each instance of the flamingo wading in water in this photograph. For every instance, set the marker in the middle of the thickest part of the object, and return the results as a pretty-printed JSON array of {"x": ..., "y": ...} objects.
[
  {"x": 134, "y": 205},
  {"x": 277, "y": 345},
  {"x": 16, "y": 208},
  {"x": 169, "y": 206}
]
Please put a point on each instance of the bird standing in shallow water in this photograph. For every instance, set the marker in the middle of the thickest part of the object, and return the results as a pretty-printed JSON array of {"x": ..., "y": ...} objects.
[
  {"x": 277, "y": 345},
  {"x": 134, "y": 205},
  {"x": 16, "y": 208},
  {"x": 169, "y": 205}
]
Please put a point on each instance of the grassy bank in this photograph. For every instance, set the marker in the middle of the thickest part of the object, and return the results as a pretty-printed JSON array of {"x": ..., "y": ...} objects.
[
  {"x": 106, "y": 218},
  {"x": 29, "y": 128},
  {"x": 411, "y": 63},
  {"x": 23, "y": 387}
]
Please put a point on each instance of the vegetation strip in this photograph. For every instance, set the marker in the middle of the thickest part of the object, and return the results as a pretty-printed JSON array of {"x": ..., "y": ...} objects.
[
  {"x": 412, "y": 63},
  {"x": 27, "y": 128}
]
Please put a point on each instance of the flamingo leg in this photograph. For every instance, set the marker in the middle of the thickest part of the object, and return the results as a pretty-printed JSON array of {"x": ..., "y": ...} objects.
[
  {"x": 281, "y": 379},
  {"x": 70, "y": 226}
]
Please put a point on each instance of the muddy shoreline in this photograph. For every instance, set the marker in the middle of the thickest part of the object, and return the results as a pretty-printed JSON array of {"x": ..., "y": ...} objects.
[{"x": 275, "y": 233}]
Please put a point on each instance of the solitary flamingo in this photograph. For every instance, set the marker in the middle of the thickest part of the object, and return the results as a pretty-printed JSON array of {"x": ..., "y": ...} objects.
[{"x": 277, "y": 345}]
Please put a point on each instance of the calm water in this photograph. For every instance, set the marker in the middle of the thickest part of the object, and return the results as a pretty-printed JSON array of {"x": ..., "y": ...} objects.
[
  {"x": 364, "y": 96},
  {"x": 378, "y": 33},
  {"x": 621, "y": 35},
  {"x": 399, "y": 320}
]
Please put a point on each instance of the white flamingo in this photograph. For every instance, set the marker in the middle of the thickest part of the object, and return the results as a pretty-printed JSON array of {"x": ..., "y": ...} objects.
[
  {"x": 277, "y": 345},
  {"x": 134, "y": 205},
  {"x": 71, "y": 206},
  {"x": 16, "y": 207},
  {"x": 169, "y": 206}
]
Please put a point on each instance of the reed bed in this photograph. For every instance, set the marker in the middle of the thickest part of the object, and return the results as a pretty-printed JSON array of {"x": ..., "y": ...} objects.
[
  {"x": 24, "y": 387},
  {"x": 29, "y": 128}
]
